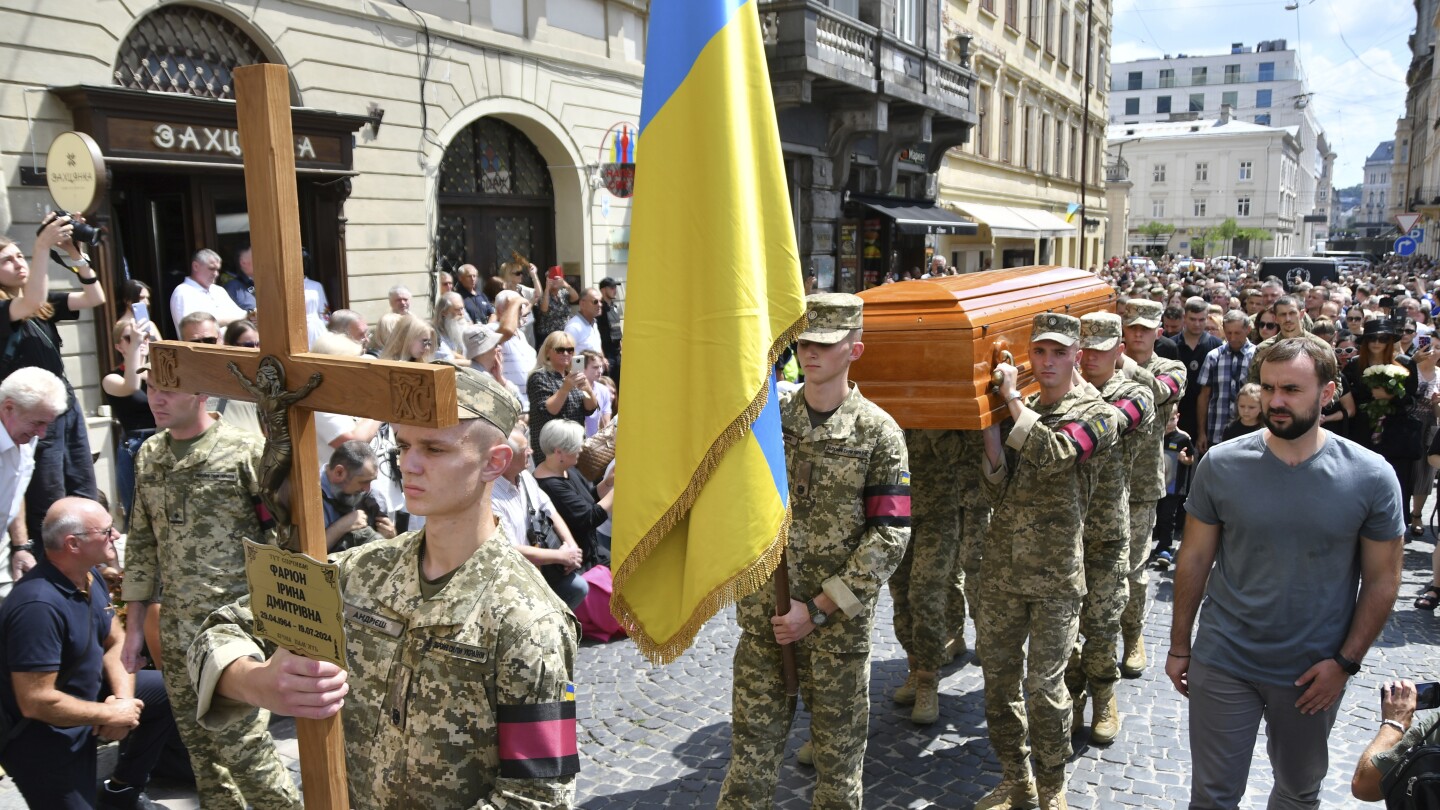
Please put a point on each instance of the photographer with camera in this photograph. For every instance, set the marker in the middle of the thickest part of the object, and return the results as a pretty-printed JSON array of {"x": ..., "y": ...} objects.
[
  {"x": 352, "y": 515},
  {"x": 1399, "y": 735},
  {"x": 29, "y": 313}
]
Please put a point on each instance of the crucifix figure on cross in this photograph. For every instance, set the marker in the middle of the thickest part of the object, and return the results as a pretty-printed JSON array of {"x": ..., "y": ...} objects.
[{"x": 273, "y": 402}]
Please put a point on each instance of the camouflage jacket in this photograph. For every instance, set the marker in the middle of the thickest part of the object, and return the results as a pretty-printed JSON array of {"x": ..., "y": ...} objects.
[
  {"x": 450, "y": 698},
  {"x": 1041, "y": 492},
  {"x": 1107, "y": 519},
  {"x": 850, "y": 517},
  {"x": 189, "y": 519},
  {"x": 1166, "y": 381}
]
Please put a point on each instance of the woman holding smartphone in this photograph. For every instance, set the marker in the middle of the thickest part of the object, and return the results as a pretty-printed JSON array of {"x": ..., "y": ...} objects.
[{"x": 557, "y": 388}]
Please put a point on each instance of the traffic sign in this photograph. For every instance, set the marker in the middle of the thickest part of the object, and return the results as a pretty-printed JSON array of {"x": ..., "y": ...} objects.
[
  {"x": 1418, "y": 234},
  {"x": 1405, "y": 246},
  {"x": 1406, "y": 221}
]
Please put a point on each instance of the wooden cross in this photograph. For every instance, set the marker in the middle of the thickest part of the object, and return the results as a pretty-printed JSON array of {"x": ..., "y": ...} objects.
[{"x": 404, "y": 393}]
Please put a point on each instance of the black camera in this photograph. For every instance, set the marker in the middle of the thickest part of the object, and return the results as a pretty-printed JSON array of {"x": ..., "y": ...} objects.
[{"x": 81, "y": 233}]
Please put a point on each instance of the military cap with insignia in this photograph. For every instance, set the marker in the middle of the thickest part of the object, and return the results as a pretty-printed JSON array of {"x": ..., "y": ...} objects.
[
  {"x": 1144, "y": 313},
  {"x": 1100, "y": 331},
  {"x": 1063, "y": 329},
  {"x": 480, "y": 396},
  {"x": 831, "y": 317}
]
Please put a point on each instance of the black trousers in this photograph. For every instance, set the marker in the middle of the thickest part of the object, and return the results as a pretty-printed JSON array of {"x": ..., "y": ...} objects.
[
  {"x": 50, "y": 774},
  {"x": 1167, "y": 516}
]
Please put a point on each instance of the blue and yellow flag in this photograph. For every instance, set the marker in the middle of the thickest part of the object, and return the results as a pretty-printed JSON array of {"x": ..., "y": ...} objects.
[
  {"x": 1070, "y": 211},
  {"x": 713, "y": 296}
]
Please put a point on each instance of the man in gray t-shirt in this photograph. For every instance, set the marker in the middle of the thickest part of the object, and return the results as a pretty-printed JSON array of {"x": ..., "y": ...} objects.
[{"x": 1294, "y": 541}]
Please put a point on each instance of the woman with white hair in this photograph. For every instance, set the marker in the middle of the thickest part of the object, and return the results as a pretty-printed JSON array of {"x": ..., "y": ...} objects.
[{"x": 583, "y": 506}]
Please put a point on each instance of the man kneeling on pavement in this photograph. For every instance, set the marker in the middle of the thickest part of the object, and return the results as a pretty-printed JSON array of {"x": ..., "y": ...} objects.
[{"x": 66, "y": 687}]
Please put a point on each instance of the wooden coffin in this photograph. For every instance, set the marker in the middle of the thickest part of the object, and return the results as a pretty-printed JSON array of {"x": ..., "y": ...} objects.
[{"x": 932, "y": 344}]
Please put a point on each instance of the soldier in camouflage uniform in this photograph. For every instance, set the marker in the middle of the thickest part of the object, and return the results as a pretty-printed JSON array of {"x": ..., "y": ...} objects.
[
  {"x": 1166, "y": 380},
  {"x": 196, "y": 490},
  {"x": 850, "y": 503},
  {"x": 974, "y": 518},
  {"x": 921, "y": 584},
  {"x": 1032, "y": 575},
  {"x": 460, "y": 657},
  {"x": 1107, "y": 526}
]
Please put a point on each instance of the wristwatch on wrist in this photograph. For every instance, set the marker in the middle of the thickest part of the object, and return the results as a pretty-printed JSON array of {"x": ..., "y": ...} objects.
[
  {"x": 1014, "y": 395},
  {"x": 817, "y": 616},
  {"x": 1350, "y": 667},
  {"x": 26, "y": 546}
]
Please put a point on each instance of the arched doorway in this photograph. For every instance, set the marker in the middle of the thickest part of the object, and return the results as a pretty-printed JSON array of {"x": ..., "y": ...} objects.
[{"x": 495, "y": 198}]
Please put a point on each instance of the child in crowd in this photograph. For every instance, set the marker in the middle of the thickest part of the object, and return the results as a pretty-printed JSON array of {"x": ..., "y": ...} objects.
[
  {"x": 1178, "y": 458},
  {"x": 1247, "y": 413}
]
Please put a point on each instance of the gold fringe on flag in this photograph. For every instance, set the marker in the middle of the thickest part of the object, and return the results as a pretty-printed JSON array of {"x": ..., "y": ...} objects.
[{"x": 744, "y": 583}]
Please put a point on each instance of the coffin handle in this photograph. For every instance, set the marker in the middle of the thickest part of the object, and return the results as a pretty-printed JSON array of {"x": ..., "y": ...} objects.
[{"x": 999, "y": 355}]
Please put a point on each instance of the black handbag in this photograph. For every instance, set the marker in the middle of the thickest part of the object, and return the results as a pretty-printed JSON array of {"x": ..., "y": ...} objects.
[{"x": 539, "y": 527}]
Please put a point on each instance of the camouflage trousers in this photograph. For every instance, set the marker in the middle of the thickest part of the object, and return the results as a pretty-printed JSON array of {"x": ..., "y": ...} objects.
[
  {"x": 965, "y": 575},
  {"x": 921, "y": 584},
  {"x": 1041, "y": 713},
  {"x": 1142, "y": 524},
  {"x": 234, "y": 767},
  {"x": 834, "y": 686},
  {"x": 1106, "y": 593}
]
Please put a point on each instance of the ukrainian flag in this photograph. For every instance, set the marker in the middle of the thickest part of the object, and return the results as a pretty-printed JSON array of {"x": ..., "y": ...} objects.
[
  {"x": 1070, "y": 211},
  {"x": 714, "y": 295}
]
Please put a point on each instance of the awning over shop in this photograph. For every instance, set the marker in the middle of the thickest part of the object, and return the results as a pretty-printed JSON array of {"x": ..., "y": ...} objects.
[
  {"x": 1013, "y": 222},
  {"x": 923, "y": 218}
]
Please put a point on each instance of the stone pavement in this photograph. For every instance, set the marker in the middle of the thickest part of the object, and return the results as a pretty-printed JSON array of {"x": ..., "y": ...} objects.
[{"x": 656, "y": 737}]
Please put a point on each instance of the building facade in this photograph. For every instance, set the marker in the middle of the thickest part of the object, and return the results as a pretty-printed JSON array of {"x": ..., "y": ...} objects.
[
  {"x": 1415, "y": 174},
  {"x": 1264, "y": 85},
  {"x": 1194, "y": 175},
  {"x": 427, "y": 135},
  {"x": 1375, "y": 192},
  {"x": 1039, "y": 65},
  {"x": 870, "y": 96}
]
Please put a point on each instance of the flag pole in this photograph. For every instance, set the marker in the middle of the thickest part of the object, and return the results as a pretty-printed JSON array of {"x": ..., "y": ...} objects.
[{"x": 782, "y": 606}]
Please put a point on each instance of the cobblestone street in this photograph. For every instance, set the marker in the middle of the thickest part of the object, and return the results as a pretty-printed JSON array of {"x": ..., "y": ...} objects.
[{"x": 659, "y": 737}]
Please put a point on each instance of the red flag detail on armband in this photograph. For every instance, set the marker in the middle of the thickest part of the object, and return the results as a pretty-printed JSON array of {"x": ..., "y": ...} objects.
[{"x": 537, "y": 741}]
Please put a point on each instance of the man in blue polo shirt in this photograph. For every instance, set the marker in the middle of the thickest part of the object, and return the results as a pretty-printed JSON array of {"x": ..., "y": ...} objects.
[{"x": 64, "y": 685}]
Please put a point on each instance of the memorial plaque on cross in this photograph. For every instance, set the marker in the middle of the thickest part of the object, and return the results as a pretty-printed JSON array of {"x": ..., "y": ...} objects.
[{"x": 404, "y": 393}]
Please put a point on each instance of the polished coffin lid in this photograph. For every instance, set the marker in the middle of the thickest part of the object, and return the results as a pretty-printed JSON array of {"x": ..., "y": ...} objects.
[{"x": 931, "y": 344}]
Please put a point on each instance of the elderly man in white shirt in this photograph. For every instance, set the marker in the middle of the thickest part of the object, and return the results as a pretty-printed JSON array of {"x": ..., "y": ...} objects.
[
  {"x": 200, "y": 293},
  {"x": 515, "y": 498},
  {"x": 30, "y": 399}
]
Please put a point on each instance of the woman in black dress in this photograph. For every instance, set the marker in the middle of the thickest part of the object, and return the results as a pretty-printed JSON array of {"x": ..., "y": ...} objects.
[{"x": 583, "y": 506}]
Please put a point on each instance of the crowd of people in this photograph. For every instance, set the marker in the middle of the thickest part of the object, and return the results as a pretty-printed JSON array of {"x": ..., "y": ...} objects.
[
  {"x": 1207, "y": 394},
  {"x": 188, "y": 475}
]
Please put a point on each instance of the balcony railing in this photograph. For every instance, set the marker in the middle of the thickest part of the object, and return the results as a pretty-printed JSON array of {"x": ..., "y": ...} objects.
[{"x": 812, "y": 44}]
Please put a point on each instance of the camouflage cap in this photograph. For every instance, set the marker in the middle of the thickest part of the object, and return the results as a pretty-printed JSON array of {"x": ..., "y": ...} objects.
[
  {"x": 1100, "y": 331},
  {"x": 1144, "y": 313},
  {"x": 1063, "y": 329},
  {"x": 481, "y": 396},
  {"x": 830, "y": 317}
]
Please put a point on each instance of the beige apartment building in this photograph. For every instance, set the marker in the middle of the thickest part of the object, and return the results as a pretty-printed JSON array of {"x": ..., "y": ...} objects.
[{"x": 1035, "y": 62}]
